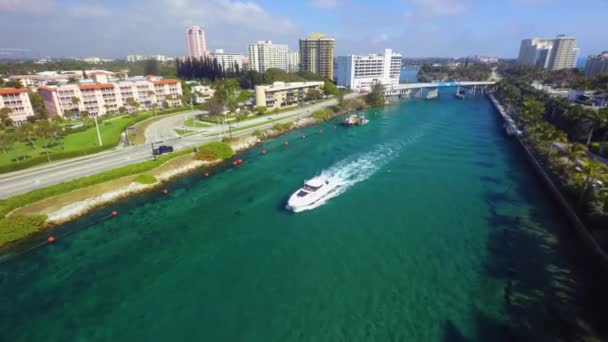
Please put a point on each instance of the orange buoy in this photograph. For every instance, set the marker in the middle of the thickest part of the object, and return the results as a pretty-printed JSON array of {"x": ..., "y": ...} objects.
[
  {"x": 115, "y": 213},
  {"x": 263, "y": 151},
  {"x": 240, "y": 161},
  {"x": 235, "y": 163},
  {"x": 206, "y": 174},
  {"x": 50, "y": 239},
  {"x": 165, "y": 191}
]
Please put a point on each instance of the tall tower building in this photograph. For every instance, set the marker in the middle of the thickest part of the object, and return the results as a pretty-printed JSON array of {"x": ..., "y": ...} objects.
[
  {"x": 197, "y": 44},
  {"x": 553, "y": 54},
  {"x": 535, "y": 52},
  {"x": 264, "y": 55},
  {"x": 317, "y": 55},
  {"x": 564, "y": 53},
  {"x": 597, "y": 64}
]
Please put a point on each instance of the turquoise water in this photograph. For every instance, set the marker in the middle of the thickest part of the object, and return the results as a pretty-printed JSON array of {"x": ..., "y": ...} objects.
[
  {"x": 409, "y": 74},
  {"x": 439, "y": 215}
]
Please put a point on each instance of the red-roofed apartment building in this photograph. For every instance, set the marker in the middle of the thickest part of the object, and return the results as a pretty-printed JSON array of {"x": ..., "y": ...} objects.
[
  {"x": 19, "y": 103},
  {"x": 102, "y": 98}
]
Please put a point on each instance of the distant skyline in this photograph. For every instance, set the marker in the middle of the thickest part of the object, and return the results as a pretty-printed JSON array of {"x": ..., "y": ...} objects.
[{"x": 414, "y": 28}]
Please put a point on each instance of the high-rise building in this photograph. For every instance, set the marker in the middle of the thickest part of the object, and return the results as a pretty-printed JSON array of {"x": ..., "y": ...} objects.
[
  {"x": 197, "y": 44},
  {"x": 229, "y": 61},
  {"x": 360, "y": 72},
  {"x": 317, "y": 55},
  {"x": 293, "y": 64},
  {"x": 264, "y": 55},
  {"x": 535, "y": 52},
  {"x": 563, "y": 54},
  {"x": 597, "y": 64},
  {"x": 554, "y": 54}
]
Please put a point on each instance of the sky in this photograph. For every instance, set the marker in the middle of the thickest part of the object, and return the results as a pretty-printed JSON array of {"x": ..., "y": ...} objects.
[{"x": 415, "y": 28}]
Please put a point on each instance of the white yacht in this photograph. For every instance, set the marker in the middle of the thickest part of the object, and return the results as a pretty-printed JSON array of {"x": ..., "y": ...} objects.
[{"x": 313, "y": 191}]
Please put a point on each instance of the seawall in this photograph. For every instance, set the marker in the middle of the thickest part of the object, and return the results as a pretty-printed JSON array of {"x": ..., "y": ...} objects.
[{"x": 581, "y": 229}]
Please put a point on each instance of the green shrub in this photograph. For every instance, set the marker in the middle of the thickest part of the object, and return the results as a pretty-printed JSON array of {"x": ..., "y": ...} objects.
[
  {"x": 145, "y": 179},
  {"x": 282, "y": 127},
  {"x": 214, "y": 151},
  {"x": 322, "y": 114},
  {"x": 17, "y": 227}
]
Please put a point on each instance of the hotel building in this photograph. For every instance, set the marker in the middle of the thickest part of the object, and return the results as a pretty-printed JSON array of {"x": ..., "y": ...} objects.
[
  {"x": 360, "y": 72},
  {"x": 280, "y": 94},
  {"x": 18, "y": 101},
  {"x": 317, "y": 55}
]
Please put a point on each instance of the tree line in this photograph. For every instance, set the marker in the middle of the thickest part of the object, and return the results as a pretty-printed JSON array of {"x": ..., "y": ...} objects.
[
  {"x": 205, "y": 68},
  {"x": 564, "y": 136}
]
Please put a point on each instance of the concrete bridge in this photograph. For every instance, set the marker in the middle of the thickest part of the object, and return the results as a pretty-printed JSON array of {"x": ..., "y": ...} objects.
[{"x": 416, "y": 90}]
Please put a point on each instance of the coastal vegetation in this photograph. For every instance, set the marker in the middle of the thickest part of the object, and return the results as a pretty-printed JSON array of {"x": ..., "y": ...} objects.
[
  {"x": 466, "y": 72},
  {"x": 145, "y": 179},
  {"x": 14, "y": 228},
  {"x": 564, "y": 78},
  {"x": 323, "y": 114},
  {"x": 375, "y": 98},
  {"x": 560, "y": 134},
  {"x": 214, "y": 151}
]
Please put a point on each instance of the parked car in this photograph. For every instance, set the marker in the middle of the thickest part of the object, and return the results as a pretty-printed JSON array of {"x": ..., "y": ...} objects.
[{"x": 162, "y": 149}]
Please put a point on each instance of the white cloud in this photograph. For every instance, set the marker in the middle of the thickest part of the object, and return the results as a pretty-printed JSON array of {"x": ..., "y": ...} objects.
[
  {"x": 88, "y": 9},
  {"x": 242, "y": 14},
  {"x": 428, "y": 8},
  {"x": 27, "y": 7},
  {"x": 325, "y": 4}
]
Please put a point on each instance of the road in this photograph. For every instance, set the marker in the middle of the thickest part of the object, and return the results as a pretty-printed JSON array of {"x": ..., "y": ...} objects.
[
  {"x": 165, "y": 129},
  {"x": 18, "y": 182}
]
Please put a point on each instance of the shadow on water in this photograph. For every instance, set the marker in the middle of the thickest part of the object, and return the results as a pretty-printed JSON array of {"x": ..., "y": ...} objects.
[
  {"x": 486, "y": 329},
  {"x": 553, "y": 290}
]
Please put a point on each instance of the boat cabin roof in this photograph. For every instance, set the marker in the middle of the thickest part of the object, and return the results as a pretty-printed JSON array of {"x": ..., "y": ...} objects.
[{"x": 316, "y": 182}]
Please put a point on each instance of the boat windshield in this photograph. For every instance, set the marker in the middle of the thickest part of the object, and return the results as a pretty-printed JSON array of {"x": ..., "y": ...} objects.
[
  {"x": 302, "y": 193},
  {"x": 311, "y": 188}
]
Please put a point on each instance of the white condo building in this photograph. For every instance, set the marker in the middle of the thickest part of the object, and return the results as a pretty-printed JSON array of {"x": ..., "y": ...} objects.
[
  {"x": 360, "y": 72},
  {"x": 293, "y": 61},
  {"x": 264, "y": 55},
  {"x": 229, "y": 60},
  {"x": 553, "y": 54}
]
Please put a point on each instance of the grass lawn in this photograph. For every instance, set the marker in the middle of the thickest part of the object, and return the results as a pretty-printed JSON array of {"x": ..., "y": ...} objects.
[
  {"x": 74, "y": 144},
  {"x": 196, "y": 123}
]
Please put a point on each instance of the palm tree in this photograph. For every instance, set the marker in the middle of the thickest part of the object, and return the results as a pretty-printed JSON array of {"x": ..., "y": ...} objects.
[
  {"x": 591, "y": 170},
  {"x": 598, "y": 120}
]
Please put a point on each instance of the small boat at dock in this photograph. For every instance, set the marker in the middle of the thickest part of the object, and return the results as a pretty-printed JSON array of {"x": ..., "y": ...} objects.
[{"x": 355, "y": 119}]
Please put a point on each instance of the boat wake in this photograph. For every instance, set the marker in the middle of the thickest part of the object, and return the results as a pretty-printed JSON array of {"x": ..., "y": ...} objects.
[{"x": 348, "y": 172}]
